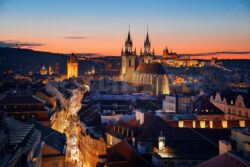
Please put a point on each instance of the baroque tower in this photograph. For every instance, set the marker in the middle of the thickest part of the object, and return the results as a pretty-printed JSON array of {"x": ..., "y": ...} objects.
[
  {"x": 72, "y": 67},
  {"x": 128, "y": 60}
]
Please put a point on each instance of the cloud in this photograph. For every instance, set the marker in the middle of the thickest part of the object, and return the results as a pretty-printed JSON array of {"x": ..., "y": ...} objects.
[
  {"x": 219, "y": 53},
  {"x": 85, "y": 54},
  {"x": 15, "y": 44},
  {"x": 75, "y": 37}
]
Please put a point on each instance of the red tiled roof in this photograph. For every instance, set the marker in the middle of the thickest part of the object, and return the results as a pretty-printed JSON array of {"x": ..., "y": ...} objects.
[
  {"x": 225, "y": 160},
  {"x": 123, "y": 149}
]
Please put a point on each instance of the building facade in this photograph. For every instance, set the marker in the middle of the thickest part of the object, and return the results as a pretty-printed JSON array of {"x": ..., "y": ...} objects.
[
  {"x": 234, "y": 105},
  {"x": 177, "y": 104},
  {"x": 72, "y": 67}
]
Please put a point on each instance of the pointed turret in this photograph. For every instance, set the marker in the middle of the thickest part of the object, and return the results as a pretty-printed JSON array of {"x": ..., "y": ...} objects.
[
  {"x": 147, "y": 44},
  {"x": 128, "y": 43},
  {"x": 147, "y": 41},
  {"x": 122, "y": 51}
]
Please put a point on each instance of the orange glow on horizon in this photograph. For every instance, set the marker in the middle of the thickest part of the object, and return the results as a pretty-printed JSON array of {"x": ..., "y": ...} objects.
[{"x": 110, "y": 45}]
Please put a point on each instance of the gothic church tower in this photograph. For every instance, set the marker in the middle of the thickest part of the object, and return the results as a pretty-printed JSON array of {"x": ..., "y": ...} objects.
[{"x": 128, "y": 60}]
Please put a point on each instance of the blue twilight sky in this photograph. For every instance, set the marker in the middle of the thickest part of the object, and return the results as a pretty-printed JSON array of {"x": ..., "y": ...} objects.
[{"x": 100, "y": 26}]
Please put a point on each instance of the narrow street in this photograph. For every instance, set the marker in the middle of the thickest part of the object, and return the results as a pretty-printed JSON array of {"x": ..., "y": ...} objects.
[{"x": 70, "y": 128}]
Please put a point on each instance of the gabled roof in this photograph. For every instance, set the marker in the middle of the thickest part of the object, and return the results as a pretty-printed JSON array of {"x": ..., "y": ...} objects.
[
  {"x": 230, "y": 95},
  {"x": 203, "y": 106},
  {"x": 19, "y": 100},
  {"x": 225, "y": 160},
  {"x": 153, "y": 126},
  {"x": 52, "y": 138},
  {"x": 90, "y": 116},
  {"x": 124, "y": 152}
]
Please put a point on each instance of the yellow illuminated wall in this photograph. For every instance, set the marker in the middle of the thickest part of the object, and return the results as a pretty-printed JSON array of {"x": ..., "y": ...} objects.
[{"x": 72, "y": 70}]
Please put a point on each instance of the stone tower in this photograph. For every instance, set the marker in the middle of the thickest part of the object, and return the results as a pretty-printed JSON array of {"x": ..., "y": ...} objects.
[
  {"x": 72, "y": 67},
  {"x": 128, "y": 60}
]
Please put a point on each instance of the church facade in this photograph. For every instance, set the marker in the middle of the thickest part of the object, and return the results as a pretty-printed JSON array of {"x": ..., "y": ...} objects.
[{"x": 143, "y": 70}]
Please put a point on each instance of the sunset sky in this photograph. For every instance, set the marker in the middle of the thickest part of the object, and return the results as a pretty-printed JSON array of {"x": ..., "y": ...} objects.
[{"x": 100, "y": 26}]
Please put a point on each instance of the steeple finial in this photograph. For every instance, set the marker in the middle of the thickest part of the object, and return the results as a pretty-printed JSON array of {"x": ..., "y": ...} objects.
[
  {"x": 128, "y": 43},
  {"x": 147, "y": 37},
  {"x": 147, "y": 44}
]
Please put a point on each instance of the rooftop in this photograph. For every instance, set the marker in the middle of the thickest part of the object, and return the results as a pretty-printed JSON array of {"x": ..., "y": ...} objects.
[
  {"x": 52, "y": 137},
  {"x": 153, "y": 68},
  {"x": 226, "y": 160},
  {"x": 20, "y": 100}
]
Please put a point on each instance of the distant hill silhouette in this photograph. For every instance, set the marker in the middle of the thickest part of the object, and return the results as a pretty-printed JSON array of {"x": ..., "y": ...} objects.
[{"x": 24, "y": 60}]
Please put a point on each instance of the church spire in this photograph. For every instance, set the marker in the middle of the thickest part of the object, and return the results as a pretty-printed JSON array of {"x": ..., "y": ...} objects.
[
  {"x": 128, "y": 43},
  {"x": 147, "y": 44},
  {"x": 129, "y": 36},
  {"x": 147, "y": 37}
]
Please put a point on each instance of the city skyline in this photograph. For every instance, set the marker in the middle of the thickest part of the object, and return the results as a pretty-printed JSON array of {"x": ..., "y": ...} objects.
[{"x": 186, "y": 27}]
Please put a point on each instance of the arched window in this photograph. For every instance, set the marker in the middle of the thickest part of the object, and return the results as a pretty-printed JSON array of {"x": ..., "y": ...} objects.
[{"x": 129, "y": 63}]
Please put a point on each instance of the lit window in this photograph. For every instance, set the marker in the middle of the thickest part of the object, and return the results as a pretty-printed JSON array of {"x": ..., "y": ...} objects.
[
  {"x": 194, "y": 124},
  {"x": 180, "y": 124},
  {"x": 211, "y": 124},
  {"x": 203, "y": 124},
  {"x": 242, "y": 123},
  {"x": 224, "y": 124}
]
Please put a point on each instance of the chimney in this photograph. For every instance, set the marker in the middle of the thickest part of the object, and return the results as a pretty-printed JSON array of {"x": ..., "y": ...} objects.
[{"x": 224, "y": 146}]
